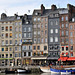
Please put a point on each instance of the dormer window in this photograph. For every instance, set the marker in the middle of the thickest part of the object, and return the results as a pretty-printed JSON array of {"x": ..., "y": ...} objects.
[
  {"x": 36, "y": 13},
  {"x": 73, "y": 19},
  {"x": 27, "y": 22}
]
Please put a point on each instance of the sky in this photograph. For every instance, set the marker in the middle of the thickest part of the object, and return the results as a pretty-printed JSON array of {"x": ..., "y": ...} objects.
[{"x": 21, "y": 7}]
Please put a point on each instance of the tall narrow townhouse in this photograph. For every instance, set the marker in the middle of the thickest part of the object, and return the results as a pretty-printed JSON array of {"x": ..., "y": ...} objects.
[
  {"x": 27, "y": 39},
  {"x": 53, "y": 34},
  {"x": 17, "y": 39},
  {"x": 40, "y": 36},
  {"x": 6, "y": 40},
  {"x": 64, "y": 39}
]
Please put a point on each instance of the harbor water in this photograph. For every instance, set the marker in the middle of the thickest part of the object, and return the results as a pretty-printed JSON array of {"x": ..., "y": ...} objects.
[{"x": 31, "y": 74}]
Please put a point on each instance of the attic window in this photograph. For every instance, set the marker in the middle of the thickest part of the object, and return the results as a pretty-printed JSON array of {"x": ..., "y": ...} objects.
[
  {"x": 36, "y": 13},
  {"x": 27, "y": 22},
  {"x": 73, "y": 19}
]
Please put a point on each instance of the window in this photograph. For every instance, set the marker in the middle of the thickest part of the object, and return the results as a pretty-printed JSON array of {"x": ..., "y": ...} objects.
[
  {"x": 2, "y": 42},
  {"x": 24, "y": 29},
  {"x": 35, "y": 40},
  {"x": 15, "y": 48},
  {"x": 34, "y": 32},
  {"x": 24, "y": 34},
  {"x": 51, "y": 31},
  {"x": 66, "y": 18},
  {"x": 42, "y": 26},
  {"x": 71, "y": 48},
  {"x": 10, "y": 28},
  {"x": 42, "y": 40},
  {"x": 66, "y": 33},
  {"x": 6, "y": 49},
  {"x": 19, "y": 35},
  {"x": 71, "y": 27},
  {"x": 71, "y": 34},
  {"x": 10, "y": 35},
  {"x": 2, "y": 49},
  {"x": 29, "y": 53},
  {"x": 38, "y": 47},
  {"x": 46, "y": 19},
  {"x": 19, "y": 54},
  {"x": 20, "y": 29},
  {"x": 34, "y": 47},
  {"x": 30, "y": 47},
  {"x": 2, "y": 28},
  {"x": 45, "y": 47},
  {"x": 35, "y": 26},
  {"x": 56, "y": 30},
  {"x": 51, "y": 23},
  {"x": 62, "y": 18},
  {"x": 34, "y": 19},
  {"x": 16, "y": 23},
  {"x": 45, "y": 40},
  {"x": 62, "y": 48},
  {"x": 10, "y": 41},
  {"x": 6, "y": 28},
  {"x": 45, "y": 32},
  {"x": 19, "y": 48},
  {"x": 6, "y": 35},
  {"x": 38, "y": 32},
  {"x": 38, "y": 25},
  {"x": 24, "y": 53},
  {"x": 62, "y": 25},
  {"x": 38, "y": 19},
  {"x": 16, "y": 29},
  {"x": 29, "y": 35},
  {"x": 38, "y": 40},
  {"x": 2, "y": 55},
  {"x": 29, "y": 29},
  {"x": 20, "y": 23},
  {"x": 6, "y": 41},
  {"x": 56, "y": 22},
  {"x": 24, "y": 47},
  {"x": 66, "y": 25},
  {"x": 56, "y": 39},
  {"x": 16, "y": 55},
  {"x": 66, "y": 48},
  {"x": 10, "y": 55},
  {"x": 51, "y": 39},
  {"x": 45, "y": 25},
  {"x": 71, "y": 54},
  {"x": 15, "y": 41},
  {"x": 62, "y": 33},
  {"x": 71, "y": 41},
  {"x": 16, "y": 35},
  {"x": 10, "y": 49},
  {"x": 2, "y": 35}
]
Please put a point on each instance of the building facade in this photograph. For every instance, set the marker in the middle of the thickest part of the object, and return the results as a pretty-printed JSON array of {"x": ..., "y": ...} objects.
[
  {"x": 27, "y": 39},
  {"x": 53, "y": 34}
]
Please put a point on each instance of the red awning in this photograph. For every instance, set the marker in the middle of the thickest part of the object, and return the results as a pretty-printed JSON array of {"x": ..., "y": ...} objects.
[
  {"x": 67, "y": 53},
  {"x": 63, "y": 58},
  {"x": 71, "y": 59},
  {"x": 62, "y": 53}
]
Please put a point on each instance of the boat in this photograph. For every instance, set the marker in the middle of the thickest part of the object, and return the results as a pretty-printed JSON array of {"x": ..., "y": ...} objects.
[
  {"x": 9, "y": 71},
  {"x": 62, "y": 71},
  {"x": 45, "y": 69},
  {"x": 23, "y": 71}
]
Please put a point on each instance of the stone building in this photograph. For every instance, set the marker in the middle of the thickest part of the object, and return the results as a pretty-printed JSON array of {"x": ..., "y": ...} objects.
[{"x": 27, "y": 39}]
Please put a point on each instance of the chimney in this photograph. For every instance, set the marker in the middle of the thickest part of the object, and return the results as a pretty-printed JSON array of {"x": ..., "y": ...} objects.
[
  {"x": 15, "y": 15},
  {"x": 42, "y": 9},
  {"x": 25, "y": 16},
  {"x": 53, "y": 7},
  {"x": 3, "y": 15}
]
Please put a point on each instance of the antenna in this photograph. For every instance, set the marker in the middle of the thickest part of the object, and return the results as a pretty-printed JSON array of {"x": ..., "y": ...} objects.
[
  {"x": 28, "y": 11},
  {"x": 59, "y": 5},
  {"x": 5, "y": 11}
]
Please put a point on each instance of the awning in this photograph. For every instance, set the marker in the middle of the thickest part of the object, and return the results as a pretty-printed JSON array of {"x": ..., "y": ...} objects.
[
  {"x": 71, "y": 59},
  {"x": 38, "y": 58},
  {"x": 66, "y": 53},
  {"x": 63, "y": 58}
]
